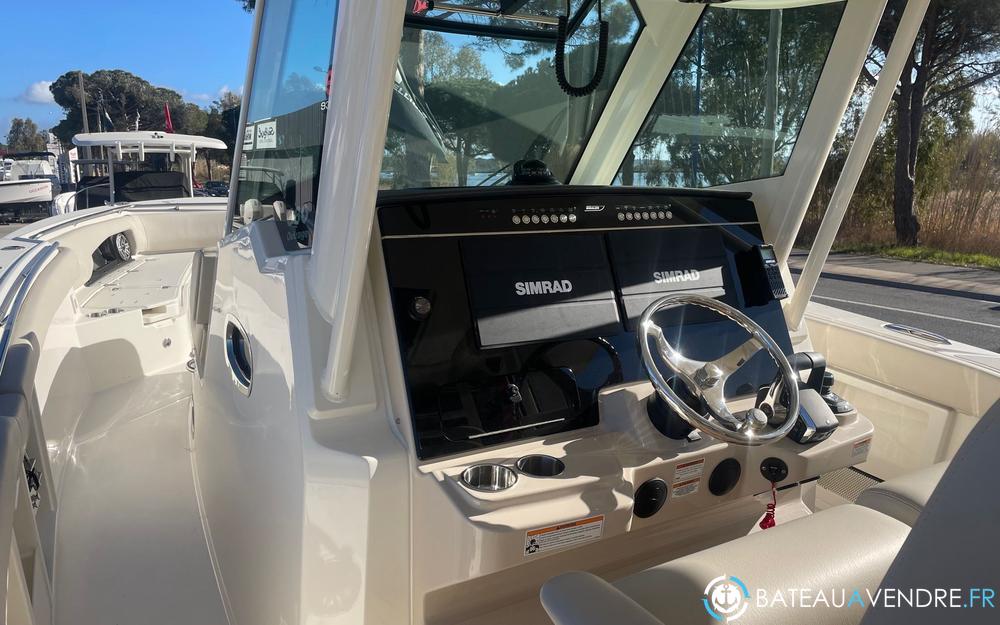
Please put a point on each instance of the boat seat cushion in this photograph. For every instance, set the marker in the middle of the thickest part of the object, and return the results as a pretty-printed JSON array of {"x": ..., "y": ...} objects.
[
  {"x": 578, "y": 598},
  {"x": 904, "y": 498},
  {"x": 19, "y": 366},
  {"x": 17, "y": 383},
  {"x": 846, "y": 546},
  {"x": 954, "y": 542}
]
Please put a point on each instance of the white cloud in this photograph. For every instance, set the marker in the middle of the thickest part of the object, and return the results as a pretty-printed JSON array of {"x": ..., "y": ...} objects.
[
  {"x": 38, "y": 93},
  {"x": 224, "y": 89}
]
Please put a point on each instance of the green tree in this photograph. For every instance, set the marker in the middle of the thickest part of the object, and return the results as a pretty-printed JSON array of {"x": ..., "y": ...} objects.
[
  {"x": 119, "y": 100},
  {"x": 455, "y": 75},
  {"x": 734, "y": 102},
  {"x": 462, "y": 106},
  {"x": 24, "y": 136},
  {"x": 957, "y": 49},
  {"x": 223, "y": 119}
]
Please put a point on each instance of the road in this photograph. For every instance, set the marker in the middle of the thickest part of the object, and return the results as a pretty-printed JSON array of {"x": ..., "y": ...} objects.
[
  {"x": 6, "y": 229},
  {"x": 961, "y": 304},
  {"x": 958, "y": 303}
]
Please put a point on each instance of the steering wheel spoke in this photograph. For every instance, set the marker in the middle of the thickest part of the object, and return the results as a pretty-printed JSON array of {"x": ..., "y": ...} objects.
[
  {"x": 682, "y": 364},
  {"x": 734, "y": 360},
  {"x": 715, "y": 400}
]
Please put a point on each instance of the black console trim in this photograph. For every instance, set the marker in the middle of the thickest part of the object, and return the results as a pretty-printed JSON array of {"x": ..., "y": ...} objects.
[{"x": 514, "y": 305}]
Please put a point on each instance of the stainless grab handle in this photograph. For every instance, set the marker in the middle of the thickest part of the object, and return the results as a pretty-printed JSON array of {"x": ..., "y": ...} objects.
[{"x": 926, "y": 335}]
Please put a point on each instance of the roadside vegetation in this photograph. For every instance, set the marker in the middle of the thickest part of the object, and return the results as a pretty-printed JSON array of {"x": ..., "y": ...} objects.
[
  {"x": 924, "y": 255},
  {"x": 957, "y": 203},
  {"x": 931, "y": 188}
]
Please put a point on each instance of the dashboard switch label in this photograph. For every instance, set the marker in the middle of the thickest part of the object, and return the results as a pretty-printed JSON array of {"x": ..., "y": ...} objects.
[{"x": 555, "y": 537}]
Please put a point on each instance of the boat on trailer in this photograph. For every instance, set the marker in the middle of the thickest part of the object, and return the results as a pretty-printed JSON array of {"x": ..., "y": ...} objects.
[{"x": 368, "y": 390}]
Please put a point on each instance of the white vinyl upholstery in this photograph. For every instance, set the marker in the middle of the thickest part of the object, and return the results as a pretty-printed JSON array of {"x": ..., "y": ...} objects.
[
  {"x": 904, "y": 498},
  {"x": 843, "y": 547},
  {"x": 954, "y": 542},
  {"x": 583, "y": 599},
  {"x": 952, "y": 545}
]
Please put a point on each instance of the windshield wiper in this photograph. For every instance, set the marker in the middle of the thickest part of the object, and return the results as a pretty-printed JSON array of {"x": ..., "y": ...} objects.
[{"x": 493, "y": 175}]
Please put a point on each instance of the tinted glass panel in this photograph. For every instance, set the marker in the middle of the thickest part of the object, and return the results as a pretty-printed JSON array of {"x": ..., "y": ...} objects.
[
  {"x": 734, "y": 103},
  {"x": 283, "y": 140},
  {"x": 467, "y": 105}
]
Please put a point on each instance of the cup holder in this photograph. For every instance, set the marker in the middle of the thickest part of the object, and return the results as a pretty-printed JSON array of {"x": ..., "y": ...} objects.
[
  {"x": 540, "y": 466},
  {"x": 490, "y": 478}
]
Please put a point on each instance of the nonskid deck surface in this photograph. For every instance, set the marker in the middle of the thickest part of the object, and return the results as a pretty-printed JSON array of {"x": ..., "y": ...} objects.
[
  {"x": 146, "y": 282},
  {"x": 130, "y": 547}
]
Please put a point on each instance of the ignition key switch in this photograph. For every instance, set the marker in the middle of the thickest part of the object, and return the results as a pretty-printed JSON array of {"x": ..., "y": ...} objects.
[{"x": 774, "y": 470}]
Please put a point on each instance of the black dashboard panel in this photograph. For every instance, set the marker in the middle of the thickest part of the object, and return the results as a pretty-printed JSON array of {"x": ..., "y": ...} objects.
[
  {"x": 540, "y": 286},
  {"x": 514, "y": 306}
]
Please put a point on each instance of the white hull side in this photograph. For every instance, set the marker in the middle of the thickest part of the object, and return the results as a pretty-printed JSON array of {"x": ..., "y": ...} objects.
[{"x": 25, "y": 191}]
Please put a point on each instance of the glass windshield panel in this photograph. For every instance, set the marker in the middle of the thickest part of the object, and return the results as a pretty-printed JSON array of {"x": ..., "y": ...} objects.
[
  {"x": 283, "y": 138},
  {"x": 467, "y": 105},
  {"x": 732, "y": 107}
]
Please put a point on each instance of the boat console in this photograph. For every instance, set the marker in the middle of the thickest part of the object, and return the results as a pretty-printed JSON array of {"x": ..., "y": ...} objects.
[
  {"x": 541, "y": 419},
  {"x": 516, "y": 306}
]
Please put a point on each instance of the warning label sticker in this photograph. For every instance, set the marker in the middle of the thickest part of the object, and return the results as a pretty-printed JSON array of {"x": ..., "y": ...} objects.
[
  {"x": 861, "y": 448},
  {"x": 689, "y": 470},
  {"x": 554, "y": 537},
  {"x": 682, "y": 489}
]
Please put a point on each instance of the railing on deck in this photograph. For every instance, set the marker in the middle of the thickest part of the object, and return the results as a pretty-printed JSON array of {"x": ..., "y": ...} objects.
[{"x": 27, "y": 494}]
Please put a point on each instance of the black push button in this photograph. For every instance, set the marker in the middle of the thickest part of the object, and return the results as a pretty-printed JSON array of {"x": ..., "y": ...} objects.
[{"x": 649, "y": 498}]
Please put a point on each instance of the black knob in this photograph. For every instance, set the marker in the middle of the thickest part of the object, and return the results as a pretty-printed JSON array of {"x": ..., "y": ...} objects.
[
  {"x": 649, "y": 498},
  {"x": 827, "y": 383}
]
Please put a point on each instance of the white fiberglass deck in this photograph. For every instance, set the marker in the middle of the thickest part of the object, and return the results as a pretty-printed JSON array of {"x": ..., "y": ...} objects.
[
  {"x": 150, "y": 283},
  {"x": 130, "y": 547}
]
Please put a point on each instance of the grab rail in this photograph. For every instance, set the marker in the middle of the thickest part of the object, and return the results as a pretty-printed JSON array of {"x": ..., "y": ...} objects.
[
  {"x": 920, "y": 333},
  {"x": 13, "y": 298},
  {"x": 19, "y": 438}
]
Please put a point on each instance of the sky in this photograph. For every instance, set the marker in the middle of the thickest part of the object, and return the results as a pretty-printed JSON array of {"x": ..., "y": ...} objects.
[
  {"x": 195, "y": 47},
  {"x": 203, "y": 50}
]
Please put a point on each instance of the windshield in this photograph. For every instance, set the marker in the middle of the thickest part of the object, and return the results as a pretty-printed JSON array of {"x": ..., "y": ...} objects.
[
  {"x": 475, "y": 94},
  {"x": 734, "y": 103},
  {"x": 286, "y": 115}
]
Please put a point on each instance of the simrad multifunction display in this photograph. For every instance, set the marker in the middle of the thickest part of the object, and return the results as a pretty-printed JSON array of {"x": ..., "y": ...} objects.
[{"x": 515, "y": 306}]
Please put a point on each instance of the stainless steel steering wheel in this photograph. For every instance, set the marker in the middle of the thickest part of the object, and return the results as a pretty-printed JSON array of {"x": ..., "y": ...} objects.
[{"x": 707, "y": 380}]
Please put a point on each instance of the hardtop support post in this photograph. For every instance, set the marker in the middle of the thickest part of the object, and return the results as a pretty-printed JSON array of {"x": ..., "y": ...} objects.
[
  {"x": 902, "y": 43},
  {"x": 367, "y": 44}
]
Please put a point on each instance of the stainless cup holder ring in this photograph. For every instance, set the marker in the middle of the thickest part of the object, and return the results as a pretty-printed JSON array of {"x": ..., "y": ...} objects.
[
  {"x": 489, "y": 478},
  {"x": 539, "y": 465}
]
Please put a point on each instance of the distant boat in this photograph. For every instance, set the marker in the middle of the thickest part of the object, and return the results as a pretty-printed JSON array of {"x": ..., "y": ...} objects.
[
  {"x": 28, "y": 183},
  {"x": 128, "y": 174}
]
